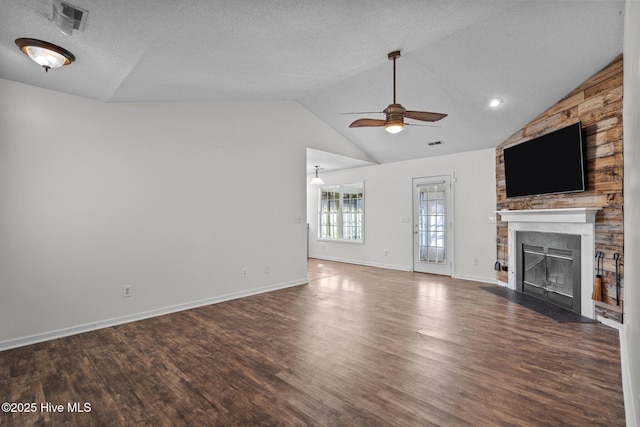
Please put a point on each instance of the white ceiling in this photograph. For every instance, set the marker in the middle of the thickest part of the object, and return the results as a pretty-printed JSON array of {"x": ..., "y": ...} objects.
[{"x": 331, "y": 57}]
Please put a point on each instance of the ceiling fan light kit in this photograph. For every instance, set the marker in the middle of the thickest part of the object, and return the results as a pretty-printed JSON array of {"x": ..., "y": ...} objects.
[
  {"x": 395, "y": 113},
  {"x": 394, "y": 127},
  {"x": 45, "y": 54}
]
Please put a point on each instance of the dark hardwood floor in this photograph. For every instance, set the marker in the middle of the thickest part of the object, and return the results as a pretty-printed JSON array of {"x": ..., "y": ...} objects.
[{"x": 357, "y": 346}]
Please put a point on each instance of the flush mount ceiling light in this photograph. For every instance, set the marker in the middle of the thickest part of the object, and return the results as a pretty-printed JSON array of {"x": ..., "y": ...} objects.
[
  {"x": 317, "y": 180},
  {"x": 495, "y": 102},
  {"x": 46, "y": 54}
]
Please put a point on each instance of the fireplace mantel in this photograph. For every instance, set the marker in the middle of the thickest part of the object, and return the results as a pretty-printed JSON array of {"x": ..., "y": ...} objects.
[{"x": 566, "y": 215}]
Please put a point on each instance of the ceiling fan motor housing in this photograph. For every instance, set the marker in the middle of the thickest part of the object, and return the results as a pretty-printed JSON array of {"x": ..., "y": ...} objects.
[{"x": 395, "y": 114}]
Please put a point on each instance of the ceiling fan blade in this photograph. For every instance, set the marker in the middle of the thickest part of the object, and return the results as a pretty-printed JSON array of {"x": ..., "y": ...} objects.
[
  {"x": 421, "y": 125},
  {"x": 364, "y": 123},
  {"x": 366, "y": 112},
  {"x": 424, "y": 116}
]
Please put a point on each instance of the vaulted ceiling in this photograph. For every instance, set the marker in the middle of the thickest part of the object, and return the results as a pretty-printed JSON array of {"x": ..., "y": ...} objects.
[{"x": 331, "y": 57}]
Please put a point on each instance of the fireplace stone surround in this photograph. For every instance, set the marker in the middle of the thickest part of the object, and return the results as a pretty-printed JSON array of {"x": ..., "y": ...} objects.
[{"x": 578, "y": 221}]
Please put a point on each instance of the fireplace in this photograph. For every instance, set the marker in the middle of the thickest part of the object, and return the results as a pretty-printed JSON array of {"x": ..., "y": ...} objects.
[
  {"x": 579, "y": 222},
  {"x": 548, "y": 267}
]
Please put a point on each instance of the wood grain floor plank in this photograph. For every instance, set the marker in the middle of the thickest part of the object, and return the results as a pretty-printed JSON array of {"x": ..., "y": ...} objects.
[{"x": 357, "y": 346}]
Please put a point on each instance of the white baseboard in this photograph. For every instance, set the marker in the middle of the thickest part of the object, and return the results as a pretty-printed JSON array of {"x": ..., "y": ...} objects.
[
  {"x": 611, "y": 323},
  {"x": 492, "y": 281},
  {"x": 480, "y": 279},
  {"x": 505, "y": 284},
  {"x": 74, "y": 330},
  {"x": 365, "y": 263}
]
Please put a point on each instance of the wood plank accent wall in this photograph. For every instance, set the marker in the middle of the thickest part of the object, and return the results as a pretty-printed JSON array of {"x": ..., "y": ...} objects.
[{"x": 598, "y": 104}]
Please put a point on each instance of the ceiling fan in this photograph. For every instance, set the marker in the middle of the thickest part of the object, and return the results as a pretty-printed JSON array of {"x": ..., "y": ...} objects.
[{"x": 396, "y": 113}]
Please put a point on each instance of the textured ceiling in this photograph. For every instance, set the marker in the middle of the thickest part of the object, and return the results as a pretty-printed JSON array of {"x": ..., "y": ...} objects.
[{"x": 331, "y": 57}]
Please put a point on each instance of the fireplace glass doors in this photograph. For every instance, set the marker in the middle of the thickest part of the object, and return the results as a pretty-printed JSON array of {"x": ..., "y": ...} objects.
[{"x": 548, "y": 267}]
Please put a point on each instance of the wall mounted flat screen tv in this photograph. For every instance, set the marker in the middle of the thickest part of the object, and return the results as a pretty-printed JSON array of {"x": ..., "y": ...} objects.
[{"x": 549, "y": 164}]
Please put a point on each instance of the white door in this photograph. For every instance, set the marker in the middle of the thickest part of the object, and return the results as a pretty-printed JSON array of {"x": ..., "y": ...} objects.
[{"x": 433, "y": 225}]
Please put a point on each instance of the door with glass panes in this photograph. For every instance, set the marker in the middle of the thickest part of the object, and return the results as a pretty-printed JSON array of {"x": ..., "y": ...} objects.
[{"x": 432, "y": 225}]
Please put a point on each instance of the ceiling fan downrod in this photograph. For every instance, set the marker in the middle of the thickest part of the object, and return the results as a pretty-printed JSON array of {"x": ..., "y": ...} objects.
[{"x": 393, "y": 55}]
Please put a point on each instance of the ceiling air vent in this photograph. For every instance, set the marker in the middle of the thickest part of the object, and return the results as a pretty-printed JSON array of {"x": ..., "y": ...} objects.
[
  {"x": 434, "y": 143},
  {"x": 68, "y": 17}
]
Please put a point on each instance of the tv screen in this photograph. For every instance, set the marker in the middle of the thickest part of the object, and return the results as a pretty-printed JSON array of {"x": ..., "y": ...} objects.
[{"x": 549, "y": 164}]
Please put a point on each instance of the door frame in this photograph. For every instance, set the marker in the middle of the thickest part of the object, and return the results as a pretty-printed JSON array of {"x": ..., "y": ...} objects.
[{"x": 449, "y": 215}]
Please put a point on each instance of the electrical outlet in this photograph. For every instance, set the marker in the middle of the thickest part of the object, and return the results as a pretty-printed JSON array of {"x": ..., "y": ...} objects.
[
  {"x": 127, "y": 291},
  {"x": 386, "y": 252},
  {"x": 245, "y": 272},
  {"x": 475, "y": 261},
  {"x": 267, "y": 269}
]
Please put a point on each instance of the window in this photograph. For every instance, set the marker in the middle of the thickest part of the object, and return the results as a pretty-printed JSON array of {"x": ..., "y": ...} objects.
[{"x": 341, "y": 212}]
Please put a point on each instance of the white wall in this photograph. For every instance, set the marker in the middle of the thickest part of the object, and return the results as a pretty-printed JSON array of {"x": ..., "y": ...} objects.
[
  {"x": 631, "y": 121},
  {"x": 388, "y": 199},
  {"x": 171, "y": 198}
]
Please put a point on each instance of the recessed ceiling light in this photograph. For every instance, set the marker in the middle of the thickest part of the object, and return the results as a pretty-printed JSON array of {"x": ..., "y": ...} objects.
[{"x": 495, "y": 102}]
